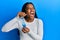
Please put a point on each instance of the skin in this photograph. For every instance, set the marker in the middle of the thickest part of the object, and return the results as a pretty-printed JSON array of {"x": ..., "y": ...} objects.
[{"x": 30, "y": 13}]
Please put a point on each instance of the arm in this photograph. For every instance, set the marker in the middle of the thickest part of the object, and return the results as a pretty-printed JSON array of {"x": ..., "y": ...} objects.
[
  {"x": 38, "y": 36},
  {"x": 12, "y": 24}
]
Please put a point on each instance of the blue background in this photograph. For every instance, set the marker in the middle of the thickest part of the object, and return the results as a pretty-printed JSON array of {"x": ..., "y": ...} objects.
[{"x": 47, "y": 10}]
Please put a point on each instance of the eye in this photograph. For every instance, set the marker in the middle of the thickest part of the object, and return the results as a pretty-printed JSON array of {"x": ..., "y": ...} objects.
[{"x": 27, "y": 9}]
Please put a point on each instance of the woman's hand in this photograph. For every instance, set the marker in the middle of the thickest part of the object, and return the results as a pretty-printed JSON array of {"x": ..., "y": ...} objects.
[
  {"x": 21, "y": 14},
  {"x": 25, "y": 30}
]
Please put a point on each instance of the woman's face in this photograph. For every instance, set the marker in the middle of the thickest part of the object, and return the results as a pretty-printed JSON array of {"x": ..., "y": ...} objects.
[{"x": 30, "y": 11}]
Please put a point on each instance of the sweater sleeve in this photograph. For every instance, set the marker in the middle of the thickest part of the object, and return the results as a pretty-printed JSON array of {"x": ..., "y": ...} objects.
[
  {"x": 38, "y": 36},
  {"x": 12, "y": 24}
]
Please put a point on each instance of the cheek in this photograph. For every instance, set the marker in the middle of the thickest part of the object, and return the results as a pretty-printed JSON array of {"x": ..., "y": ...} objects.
[{"x": 28, "y": 10}]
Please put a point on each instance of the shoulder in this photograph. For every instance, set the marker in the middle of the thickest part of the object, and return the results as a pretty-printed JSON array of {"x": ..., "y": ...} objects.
[{"x": 39, "y": 20}]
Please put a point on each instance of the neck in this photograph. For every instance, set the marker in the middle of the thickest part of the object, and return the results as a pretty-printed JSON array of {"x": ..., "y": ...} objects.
[{"x": 29, "y": 19}]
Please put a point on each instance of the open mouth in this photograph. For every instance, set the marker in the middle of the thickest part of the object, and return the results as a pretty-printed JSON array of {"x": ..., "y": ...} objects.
[{"x": 32, "y": 13}]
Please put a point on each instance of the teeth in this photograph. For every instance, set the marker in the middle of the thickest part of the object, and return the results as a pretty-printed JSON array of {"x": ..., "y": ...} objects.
[{"x": 32, "y": 12}]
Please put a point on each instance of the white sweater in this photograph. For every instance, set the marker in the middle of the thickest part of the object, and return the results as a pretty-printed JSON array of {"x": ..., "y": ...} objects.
[{"x": 36, "y": 28}]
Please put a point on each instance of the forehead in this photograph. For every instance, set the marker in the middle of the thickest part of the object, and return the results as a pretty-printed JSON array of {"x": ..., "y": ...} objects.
[{"x": 29, "y": 6}]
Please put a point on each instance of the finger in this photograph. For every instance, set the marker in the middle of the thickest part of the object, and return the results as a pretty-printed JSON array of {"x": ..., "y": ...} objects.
[
  {"x": 23, "y": 31},
  {"x": 27, "y": 29},
  {"x": 24, "y": 15},
  {"x": 19, "y": 14}
]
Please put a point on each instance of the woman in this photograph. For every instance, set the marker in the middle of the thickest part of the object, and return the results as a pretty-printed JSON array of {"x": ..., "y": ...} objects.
[{"x": 33, "y": 29}]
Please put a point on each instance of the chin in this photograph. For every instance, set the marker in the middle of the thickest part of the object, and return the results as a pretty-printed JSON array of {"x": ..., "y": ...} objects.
[{"x": 32, "y": 17}]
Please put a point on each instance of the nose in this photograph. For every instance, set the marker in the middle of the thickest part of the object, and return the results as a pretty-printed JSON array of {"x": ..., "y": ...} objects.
[{"x": 32, "y": 10}]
